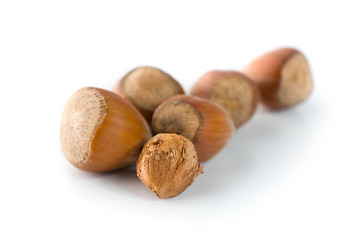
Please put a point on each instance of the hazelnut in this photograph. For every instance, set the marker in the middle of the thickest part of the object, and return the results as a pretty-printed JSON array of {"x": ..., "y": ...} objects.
[
  {"x": 100, "y": 131},
  {"x": 146, "y": 88},
  {"x": 203, "y": 122},
  {"x": 168, "y": 165},
  {"x": 283, "y": 77},
  {"x": 232, "y": 90}
]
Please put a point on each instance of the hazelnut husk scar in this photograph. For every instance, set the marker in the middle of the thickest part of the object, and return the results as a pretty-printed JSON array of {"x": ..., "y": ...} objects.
[
  {"x": 168, "y": 164},
  {"x": 232, "y": 90},
  {"x": 283, "y": 77},
  {"x": 100, "y": 131},
  {"x": 201, "y": 121},
  {"x": 146, "y": 88}
]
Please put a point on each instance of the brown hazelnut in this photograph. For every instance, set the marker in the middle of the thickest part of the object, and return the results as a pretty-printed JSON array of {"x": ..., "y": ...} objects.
[
  {"x": 100, "y": 131},
  {"x": 146, "y": 88},
  {"x": 283, "y": 77},
  {"x": 168, "y": 165},
  {"x": 230, "y": 89},
  {"x": 203, "y": 122}
]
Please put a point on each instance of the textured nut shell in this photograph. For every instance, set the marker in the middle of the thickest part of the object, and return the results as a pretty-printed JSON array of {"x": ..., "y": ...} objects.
[
  {"x": 239, "y": 98},
  {"x": 168, "y": 165},
  {"x": 216, "y": 126},
  {"x": 266, "y": 71},
  {"x": 117, "y": 139},
  {"x": 150, "y": 87}
]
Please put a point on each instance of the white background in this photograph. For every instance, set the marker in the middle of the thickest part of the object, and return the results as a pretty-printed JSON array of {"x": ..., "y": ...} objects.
[{"x": 284, "y": 175}]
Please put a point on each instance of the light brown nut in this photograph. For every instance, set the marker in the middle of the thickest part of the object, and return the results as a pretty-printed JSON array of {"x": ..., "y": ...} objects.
[{"x": 168, "y": 164}]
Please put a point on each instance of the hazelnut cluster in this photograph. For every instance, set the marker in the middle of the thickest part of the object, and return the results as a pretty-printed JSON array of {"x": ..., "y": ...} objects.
[{"x": 147, "y": 119}]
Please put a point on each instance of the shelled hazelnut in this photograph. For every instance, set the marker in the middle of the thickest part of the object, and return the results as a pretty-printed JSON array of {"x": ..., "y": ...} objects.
[{"x": 168, "y": 164}]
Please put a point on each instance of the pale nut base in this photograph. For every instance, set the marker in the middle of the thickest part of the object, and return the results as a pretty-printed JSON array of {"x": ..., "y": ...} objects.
[
  {"x": 177, "y": 117},
  {"x": 296, "y": 81},
  {"x": 235, "y": 94},
  {"x": 83, "y": 114},
  {"x": 148, "y": 87}
]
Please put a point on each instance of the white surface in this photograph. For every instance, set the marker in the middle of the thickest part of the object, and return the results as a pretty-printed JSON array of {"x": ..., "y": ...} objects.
[{"x": 283, "y": 176}]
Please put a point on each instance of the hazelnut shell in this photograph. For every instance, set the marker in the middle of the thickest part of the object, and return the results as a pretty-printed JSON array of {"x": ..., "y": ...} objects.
[
  {"x": 232, "y": 90},
  {"x": 146, "y": 88},
  {"x": 203, "y": 122},
  {"x": 100, "y": 131}
]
